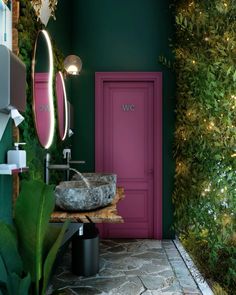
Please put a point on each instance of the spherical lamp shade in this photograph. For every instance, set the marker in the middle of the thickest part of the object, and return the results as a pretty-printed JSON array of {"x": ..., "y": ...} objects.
[{"x": 73, "y": 64}]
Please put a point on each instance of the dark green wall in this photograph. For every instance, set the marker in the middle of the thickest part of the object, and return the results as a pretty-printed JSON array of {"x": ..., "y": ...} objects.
[
  {"x": 5, "y": 180},
  {"x": 60, "y": 31},
  {"x": 124, "y": 35}
]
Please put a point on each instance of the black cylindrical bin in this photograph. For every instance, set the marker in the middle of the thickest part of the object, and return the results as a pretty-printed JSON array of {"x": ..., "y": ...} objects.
[{"x": 85, "y": 251}]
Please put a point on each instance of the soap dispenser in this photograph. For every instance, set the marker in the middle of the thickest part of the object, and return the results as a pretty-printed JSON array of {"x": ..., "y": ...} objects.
[{"x": 17, "y": 156}]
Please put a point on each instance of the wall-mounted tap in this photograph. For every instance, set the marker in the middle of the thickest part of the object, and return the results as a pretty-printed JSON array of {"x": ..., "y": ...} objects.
[
  {"x": 67, "y": 156},
  {"x": 66, "y": 166},
  {"x": 49, "y": 167}
]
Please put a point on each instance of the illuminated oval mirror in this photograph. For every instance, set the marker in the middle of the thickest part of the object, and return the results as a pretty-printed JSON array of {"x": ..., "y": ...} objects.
[
  {"x": 42, "y": 72},
  {"x": 62, "y": 109}
]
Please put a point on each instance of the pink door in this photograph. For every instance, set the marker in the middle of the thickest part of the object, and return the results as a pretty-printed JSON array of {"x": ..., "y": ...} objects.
[{"x": 128, "y": 151}]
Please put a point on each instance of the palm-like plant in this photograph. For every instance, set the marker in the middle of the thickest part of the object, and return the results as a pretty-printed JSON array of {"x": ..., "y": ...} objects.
[{"x": 38, "y": 241}]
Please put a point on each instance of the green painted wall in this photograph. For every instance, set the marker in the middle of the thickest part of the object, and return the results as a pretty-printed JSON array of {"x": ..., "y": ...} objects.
[
  {"x": 60, "y": 31},
  {"x": 5, "y": 180},
  {"x": 124, "y": 35}
]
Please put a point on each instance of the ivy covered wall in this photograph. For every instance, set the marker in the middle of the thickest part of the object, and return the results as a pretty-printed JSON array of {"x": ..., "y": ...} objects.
[{"x": 205, "y": 180}]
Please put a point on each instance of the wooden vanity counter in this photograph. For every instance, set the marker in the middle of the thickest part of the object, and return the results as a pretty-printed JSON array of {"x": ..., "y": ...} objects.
[{"x": 107, "y": 214}]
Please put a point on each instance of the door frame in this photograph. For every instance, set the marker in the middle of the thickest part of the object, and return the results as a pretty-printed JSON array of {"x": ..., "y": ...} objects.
[{"x": 156, "y": 79}]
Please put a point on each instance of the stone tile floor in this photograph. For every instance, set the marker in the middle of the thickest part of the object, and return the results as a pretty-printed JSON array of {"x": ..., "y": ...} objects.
[{"x": 130, "y": 267}]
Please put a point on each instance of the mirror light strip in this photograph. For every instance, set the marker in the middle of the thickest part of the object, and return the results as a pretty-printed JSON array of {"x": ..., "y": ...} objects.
[
  {"x": 65, "y": 105},
  {"x": 50, "y": 91}
]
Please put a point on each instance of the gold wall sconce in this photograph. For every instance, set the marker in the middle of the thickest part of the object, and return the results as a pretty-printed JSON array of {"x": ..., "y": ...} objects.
[{"x": 73, "y": 65}]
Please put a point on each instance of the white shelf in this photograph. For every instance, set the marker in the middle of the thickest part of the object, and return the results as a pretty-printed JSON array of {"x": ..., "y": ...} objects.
[{"x": 13, "y": 171}]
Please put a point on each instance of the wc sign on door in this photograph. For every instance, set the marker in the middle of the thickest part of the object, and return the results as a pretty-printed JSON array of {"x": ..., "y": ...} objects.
[{"x": 128, "y": 107}]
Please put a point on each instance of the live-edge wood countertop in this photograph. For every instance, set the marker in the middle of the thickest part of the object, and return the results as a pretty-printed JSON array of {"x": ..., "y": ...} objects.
[{"x": 107, "y": 214}]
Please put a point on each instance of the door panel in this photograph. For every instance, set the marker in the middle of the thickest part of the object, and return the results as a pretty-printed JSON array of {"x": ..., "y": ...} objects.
[
  {"x": 128, "y": 152},
  {"x": 139, "y": 212}
]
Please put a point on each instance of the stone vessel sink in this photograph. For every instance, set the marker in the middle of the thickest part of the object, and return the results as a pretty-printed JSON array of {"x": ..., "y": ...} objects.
[
  {"x": 76, "y": 196},
  {"x": 98, "y": 176}
]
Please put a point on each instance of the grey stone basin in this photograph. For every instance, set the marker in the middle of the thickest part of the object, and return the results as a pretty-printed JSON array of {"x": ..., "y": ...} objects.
[
  {"x": 76, "y": 196},
  {"x": 98, "y": 176}
]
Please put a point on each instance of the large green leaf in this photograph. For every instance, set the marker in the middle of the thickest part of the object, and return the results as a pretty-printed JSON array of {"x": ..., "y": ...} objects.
[
  {"x": 11, "y": 266},
  {"x": 8, "y": 249},
  {"x": 50, "y": 238},
  {"x": 52, "y": 256},
  {"x": 18, "y": 286},
  {"x": 25, "y": 285},
  {"x": 3, "y": 272},
  {"x": 32, "y": 213},
  {"x": 13, "y": 284}
]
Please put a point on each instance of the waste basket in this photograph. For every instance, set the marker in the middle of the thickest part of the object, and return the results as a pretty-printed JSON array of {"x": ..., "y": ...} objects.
[{"x": 85, "y": 250}]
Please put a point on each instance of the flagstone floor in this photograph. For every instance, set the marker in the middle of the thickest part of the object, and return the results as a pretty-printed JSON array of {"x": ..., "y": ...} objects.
[{"x": 130, "y": 267}]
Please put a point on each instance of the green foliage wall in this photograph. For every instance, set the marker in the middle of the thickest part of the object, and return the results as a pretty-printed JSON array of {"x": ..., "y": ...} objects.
[
  {"x": 28, "y": 28},
  {"x": 205, "y": 180}
]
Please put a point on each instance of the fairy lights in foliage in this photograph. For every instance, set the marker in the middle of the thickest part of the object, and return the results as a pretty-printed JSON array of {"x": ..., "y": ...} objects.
[{"x": 205, "y": 136}]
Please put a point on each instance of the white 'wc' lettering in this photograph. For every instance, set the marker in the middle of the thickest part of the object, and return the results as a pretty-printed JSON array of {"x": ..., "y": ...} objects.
[
  {"x": 44, "y": 108},
  {"x": 128, "y": 107}
]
